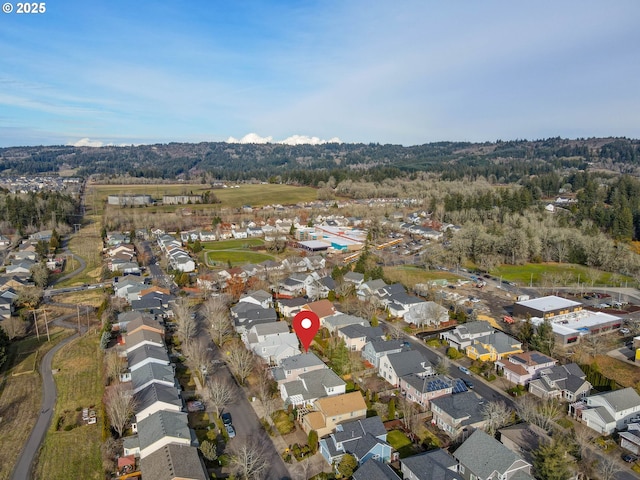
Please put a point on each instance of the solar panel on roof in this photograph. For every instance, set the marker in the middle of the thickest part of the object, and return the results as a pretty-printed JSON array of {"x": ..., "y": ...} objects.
[{"x": 459, "y": 386}]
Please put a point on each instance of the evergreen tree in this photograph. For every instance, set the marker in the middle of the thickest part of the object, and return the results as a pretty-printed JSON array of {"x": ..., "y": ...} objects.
[
  {"x": 347, "y": 466},
  {"x": 551, "y": 461},
  {"x": 544, "y": 340},
  {"x": 4, "y": 346},
  {"x": 526, "y": 332}
]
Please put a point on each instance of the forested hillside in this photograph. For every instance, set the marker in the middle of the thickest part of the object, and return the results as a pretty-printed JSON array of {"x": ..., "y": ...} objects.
[{"x": 309, "y": 164}]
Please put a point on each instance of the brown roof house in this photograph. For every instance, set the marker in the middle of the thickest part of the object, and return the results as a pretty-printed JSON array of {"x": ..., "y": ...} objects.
[{"x": 331, "y": 411}]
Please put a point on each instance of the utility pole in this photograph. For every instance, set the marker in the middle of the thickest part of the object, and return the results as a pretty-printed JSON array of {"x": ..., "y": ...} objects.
[
  {"x": 46, "y": 324},
  {"x": 35, "y": 321},
  {"x": 87, "y": 312},
  {"x": 78, "y": 308}
]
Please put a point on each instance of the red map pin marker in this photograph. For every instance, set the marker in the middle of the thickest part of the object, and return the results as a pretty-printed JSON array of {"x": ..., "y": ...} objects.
[{"x": 306, "y": 324}]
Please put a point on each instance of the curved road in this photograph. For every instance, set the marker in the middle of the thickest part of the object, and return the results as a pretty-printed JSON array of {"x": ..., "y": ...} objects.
[{"x": 23, "y": 468}]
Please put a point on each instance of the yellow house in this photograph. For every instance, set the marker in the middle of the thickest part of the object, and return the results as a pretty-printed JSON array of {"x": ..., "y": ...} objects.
[
  {"x": 495, "y": 346},
  {"x": 332, "y": 411}
]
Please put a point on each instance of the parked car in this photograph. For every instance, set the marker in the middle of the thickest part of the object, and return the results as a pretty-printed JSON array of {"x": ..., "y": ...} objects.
[
  {"x": 230, "y": 431},
  {"x": 226, "y": 418},
  {"x": 468, "y": 384},
  {"x": 629, "y": 457},
  {"x": 465, "y": 370},
  {"x": 624, "y": 331}
]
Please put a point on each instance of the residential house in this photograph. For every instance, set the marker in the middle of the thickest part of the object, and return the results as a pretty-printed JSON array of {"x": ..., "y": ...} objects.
[
  {"x": 339, "y": 320},
  {"x": 291, "y": 368},
  {"x": 463, "y": 335},
  {"x": 4, "y": 241},
  {"x": 322, "y": 308},
  {"x": 432, "y": 465},
  {"x": 375, "y": 470},
  {"x": 159, "y": 429},
  {"x": 611, "y": 411},
  {"x": 523, "y": 439},
  {"x": 630, "y": 440},
  {"x": 291, "y": 287},
  {"x": 458, "y": 415},
  {"x": 7, "y": 302},
  {"x": 521, "y": 368},
  {"x": 289, "y": 307},
  {"x": 174, "y": 462},
  {"x": 564, "y": 382},
  {"x": 482, "y": 457},
  {"x": 145, "y": 354},
  {"x": 152, "y": 373},
  {"x": 295, "y": 264},
  {"x": 421, "y": 389},
  {"x": 316, "y": 262},
  {"x": 245, "y": 315},
  {"x": 492, "y": 347},
  {"x": 331, "y": 411},
  {"x": 426, "y": 313},
  {"x": 141, "y": 338},
  {"x": 320, "y": 287},
  {"x": 272, "y": 343},
  {"x": 356, "y": 336},
  {"x": 373, "y": 351},
  {"x": 21, "y": 268},
  {"x": 395, "y": 365},
  {"x": 133, "y": 322},
  {"x": 366, "y": 290},
  {"x": 400, "y": 304},
  {"x": 364, "y": 439},
  {"x": 156, "y": 397},
  {"x": 355, "y": 278},
  {"x": 258, "y": 297},
  {"x": 311, "y": 386}
]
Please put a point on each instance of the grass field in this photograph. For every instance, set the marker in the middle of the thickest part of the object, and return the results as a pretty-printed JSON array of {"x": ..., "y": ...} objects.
[
  {"x": 399, "y": 441},
  {"x": 561, "y": 274},
  {"x": 409, "y": 275},
  {"x": 623, "y": 373},
  {"x": 88, "y": 297},
  {"x": 236, "y": 257},
  {"x": 87, "y": 244},
  {"x": 254, "y": 195},
  {"x": 233, "y": 244},
  {"x": 75, "y": 453},
  {"x": 20, "y": 397}
]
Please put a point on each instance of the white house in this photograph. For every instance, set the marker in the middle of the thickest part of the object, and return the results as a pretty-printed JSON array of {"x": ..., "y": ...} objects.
[{"x": 613, "y": 410}]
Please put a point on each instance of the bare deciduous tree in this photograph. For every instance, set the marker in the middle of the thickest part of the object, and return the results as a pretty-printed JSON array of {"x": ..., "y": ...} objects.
[
  {"x": 185, "y": 319},
  {"x": 114, "y": 365},
  {"x": 249, "y": 460},
  {"x": 241, "y": 361},
  {"x": 216, "y": 311},
  {"x": 119, "y": 405},
  {"x": 15, "y": 327},
  {"x": 265, "y": 389},
  {"x": 443, "y": 365},
  {"x": 198, "y": 357},
  {"x": 496, "y": 416},
  {"x": 607, "y": 467},
  {"x": 411, "y": 412},
  {"x": 542, "y": 413},
  {"x": 221, "y": 393}
]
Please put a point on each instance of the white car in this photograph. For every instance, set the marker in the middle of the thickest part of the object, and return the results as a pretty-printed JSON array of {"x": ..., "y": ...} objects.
[{"x": 465, "y": 370}]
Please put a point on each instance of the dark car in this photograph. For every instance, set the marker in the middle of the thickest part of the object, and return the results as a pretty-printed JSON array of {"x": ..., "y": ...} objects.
[
  {"x": 226, "y": 418},
  {"x": 629, "y": 458},
  {"x": 468, "y": 384}
]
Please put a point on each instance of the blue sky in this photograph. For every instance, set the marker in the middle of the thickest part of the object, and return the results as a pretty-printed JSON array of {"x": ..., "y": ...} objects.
[{"x": 410, "y": 72}]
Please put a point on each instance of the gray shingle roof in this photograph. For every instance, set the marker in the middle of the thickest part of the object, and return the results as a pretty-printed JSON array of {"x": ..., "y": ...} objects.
[
  {"x": 172, "y": 462},
  {"x": 404, "y": 363},
  {"x": 375, "y": 470},
  {"x": 358, "y": 331},
  {"x": 483, "y": 454},
  {"x": 386, "y": 345},
  {"x": 303, "y": 360},
  {"x": 433, "y": 465},
  {"x": 623, "y": 399},
  {"x": 145, "y": 352},
  {"x": 152, "y": 371},
  {"x": 157, "y": 392},
  {"x": 162, "y": 424},
  {"x": 312, "y": 385},
  {"x": 466, "y": 405}
]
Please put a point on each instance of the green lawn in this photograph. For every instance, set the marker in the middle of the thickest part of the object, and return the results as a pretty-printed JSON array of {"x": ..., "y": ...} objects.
[
  {"x": 236, "y": 257},
  {"x": 561, "y": 274},
  {"x": 233, "y": 244},
  {"x": 399, "y": 441}
]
